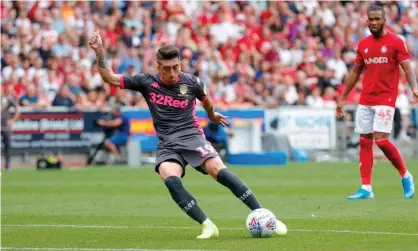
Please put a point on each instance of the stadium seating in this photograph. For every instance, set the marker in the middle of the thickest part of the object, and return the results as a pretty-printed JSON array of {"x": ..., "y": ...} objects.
[{"x": 254, "y": 53}]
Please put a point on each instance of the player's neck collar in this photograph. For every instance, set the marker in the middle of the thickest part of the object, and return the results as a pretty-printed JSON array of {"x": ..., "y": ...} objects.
[
  {"x": 384, "y": 33},
  {"x": 162, "y": 81}
]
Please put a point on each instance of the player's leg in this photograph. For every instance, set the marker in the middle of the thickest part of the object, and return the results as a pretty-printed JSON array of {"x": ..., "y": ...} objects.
[
  {"x": 171, "y": 167},
  {"x": 200, "y": 154},
  {"x": 382, "y": 128},
  {"x": 5, "y": 135},
  {"x": 216, "y": 168},
  {"x": 364, "y": 126}
]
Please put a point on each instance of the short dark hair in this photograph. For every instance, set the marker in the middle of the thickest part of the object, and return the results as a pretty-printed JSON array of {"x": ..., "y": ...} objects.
[
  {"x": 168, "y": 52},
  {"x": 376, "y": 8}
]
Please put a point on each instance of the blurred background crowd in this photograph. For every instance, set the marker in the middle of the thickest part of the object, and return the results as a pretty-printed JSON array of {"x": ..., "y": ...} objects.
[{"x": 249, "y": 53}]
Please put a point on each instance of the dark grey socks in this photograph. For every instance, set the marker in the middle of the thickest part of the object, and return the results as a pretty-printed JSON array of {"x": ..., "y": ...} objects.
[
  {"x": 241, "y": 191},
  {"x": 184, "y": 199}
]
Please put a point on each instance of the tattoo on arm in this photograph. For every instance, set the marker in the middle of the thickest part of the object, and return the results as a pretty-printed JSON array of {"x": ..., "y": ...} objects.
[
  {"x": 102, "y": 61},
  {"x": 105, "y": 71}
]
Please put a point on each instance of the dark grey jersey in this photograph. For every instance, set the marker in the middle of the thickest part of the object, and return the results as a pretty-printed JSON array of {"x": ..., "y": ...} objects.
[
  {"x": 173, "y": 107},
  {"x": 7, "y": 103}
]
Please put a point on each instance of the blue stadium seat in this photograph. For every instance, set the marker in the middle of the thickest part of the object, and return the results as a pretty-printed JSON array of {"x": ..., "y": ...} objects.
[
  {"x": 148, "y": 143},
  {"x": 268, "y": 158}
]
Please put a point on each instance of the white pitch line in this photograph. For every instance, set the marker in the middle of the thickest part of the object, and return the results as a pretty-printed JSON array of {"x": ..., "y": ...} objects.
[
  {"x": 98, "y": 249},
  {"x": 226, "y": 228}
]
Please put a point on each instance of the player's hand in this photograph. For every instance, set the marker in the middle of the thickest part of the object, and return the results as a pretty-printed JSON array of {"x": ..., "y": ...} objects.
[
  {"x": 95, "y": 42},
  {"x": 219, "y": 119},
  {"x": 340, "y": 108},
  {"x": 415, "y": 98}
]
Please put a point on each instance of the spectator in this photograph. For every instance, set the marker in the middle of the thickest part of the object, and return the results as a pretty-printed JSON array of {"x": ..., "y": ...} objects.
[
  {"x": 74, "y": 84},
  {"x": 63, "y": 98},
  {"x": 30, "y": 98},
  {"x": 13, "y": 68},
  {"x": 337, "y": 64},
  {"x": 301, "y": 98},
  {"x": 279, "y": 51},
  {"x": 315, "y": 100}
]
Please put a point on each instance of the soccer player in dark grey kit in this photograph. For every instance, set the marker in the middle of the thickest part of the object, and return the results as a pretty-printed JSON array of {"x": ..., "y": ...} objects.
[
  {"x": 171, "y": 97},
  {"x": 7, "y": 102}
]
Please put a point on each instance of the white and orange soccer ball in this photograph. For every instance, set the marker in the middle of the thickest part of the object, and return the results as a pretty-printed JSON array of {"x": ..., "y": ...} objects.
[{"x": 262, "y": 223}]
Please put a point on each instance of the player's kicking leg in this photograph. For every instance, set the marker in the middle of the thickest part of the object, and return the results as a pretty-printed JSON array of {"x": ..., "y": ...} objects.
[
  {"x": 393, "y": 155},
  {"x": 217, "y": 169},
  {"x": 171, "y": 172}
]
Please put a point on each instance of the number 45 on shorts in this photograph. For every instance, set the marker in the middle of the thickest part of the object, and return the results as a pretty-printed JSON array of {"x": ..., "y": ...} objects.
[
  {"x": 385, "y": 113},
  {"x": 374, "y": 119},
  {"x": 383, "y": 119}
]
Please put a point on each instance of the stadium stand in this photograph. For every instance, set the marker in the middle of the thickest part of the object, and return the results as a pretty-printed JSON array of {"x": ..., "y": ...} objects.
[{"x": 250, "y": 53}]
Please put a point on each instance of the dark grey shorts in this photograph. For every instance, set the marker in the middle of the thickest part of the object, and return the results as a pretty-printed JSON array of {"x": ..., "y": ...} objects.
[{"x": 194, "y": 151}]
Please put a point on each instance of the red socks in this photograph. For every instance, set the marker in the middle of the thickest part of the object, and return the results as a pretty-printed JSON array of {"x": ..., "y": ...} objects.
[
  {"x": 392, "y": 153},
  {"x": 366, "y": 160}
]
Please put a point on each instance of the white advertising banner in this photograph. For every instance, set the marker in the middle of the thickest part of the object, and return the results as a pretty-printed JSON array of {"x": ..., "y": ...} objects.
[{"x": 306, "y": 128}]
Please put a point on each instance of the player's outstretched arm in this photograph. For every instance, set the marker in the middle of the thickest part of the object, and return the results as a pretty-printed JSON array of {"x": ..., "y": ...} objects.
[
  {"x": 212, "y": 115},
  {"x": 412, "y": 80},
  {"x": 106, "y": 72},
  {"x": 352, "y": 79}
]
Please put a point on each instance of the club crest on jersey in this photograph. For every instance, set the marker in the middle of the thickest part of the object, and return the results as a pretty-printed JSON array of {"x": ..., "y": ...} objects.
[
  {"x": 383, "y": 49},
  {"x": 366, "y": 50},
  {"x": 183, "y": 89}
]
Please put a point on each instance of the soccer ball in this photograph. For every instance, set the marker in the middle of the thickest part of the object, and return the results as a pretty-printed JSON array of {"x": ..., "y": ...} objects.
[{"x": 261, "y": 223}]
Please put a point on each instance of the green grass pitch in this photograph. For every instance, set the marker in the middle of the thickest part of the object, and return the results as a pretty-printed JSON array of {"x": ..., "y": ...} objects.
[{"x": 125, "y": 209}]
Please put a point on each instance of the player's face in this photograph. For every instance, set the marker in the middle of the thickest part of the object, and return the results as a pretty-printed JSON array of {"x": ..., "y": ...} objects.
[
  {"x": 376, "y": 22},
  {"x": 169, "y": 70}
]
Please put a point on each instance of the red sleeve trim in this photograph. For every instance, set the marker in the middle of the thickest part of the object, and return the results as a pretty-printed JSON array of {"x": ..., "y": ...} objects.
[
  {"x": 121, "y": 82},
  {"x": 405, "y": 60}
]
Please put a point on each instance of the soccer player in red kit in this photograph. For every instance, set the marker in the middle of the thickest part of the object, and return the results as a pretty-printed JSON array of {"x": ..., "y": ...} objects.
[{"x": 379, "y": 55}]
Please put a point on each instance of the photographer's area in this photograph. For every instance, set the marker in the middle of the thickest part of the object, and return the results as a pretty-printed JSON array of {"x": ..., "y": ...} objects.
[
  {"x": 64, "y": 138},
  {"x": 126, "y": 137}
]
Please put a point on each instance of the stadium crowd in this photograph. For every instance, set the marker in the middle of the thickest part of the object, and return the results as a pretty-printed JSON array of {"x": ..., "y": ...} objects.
[{"x": 248, "y": 52}]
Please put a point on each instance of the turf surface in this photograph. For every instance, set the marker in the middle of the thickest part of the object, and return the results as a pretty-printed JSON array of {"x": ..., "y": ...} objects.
[{"x": 124, "y": 209}]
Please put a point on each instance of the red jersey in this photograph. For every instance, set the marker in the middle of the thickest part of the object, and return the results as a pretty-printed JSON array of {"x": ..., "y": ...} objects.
[{"x": 381, "y": 58}]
